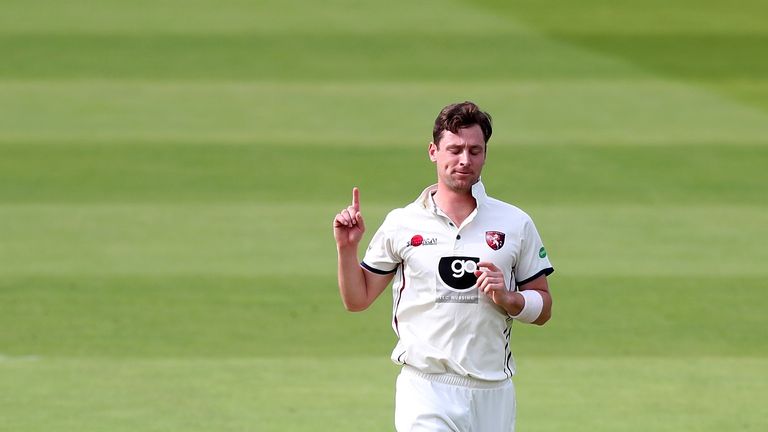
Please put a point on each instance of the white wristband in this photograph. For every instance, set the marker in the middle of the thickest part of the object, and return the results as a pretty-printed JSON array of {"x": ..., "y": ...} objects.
[{"x": 534, "y": 303}]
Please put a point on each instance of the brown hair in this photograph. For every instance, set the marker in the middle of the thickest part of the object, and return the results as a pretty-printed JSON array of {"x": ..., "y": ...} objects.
[{"x": 458, "y": 116}]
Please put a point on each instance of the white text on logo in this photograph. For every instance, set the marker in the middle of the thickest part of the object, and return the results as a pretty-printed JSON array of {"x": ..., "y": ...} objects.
[{"x": 460, "y": 267}]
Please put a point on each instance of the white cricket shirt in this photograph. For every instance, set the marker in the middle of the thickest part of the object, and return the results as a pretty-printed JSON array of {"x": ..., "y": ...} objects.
[{"x": 443, "y": 323}]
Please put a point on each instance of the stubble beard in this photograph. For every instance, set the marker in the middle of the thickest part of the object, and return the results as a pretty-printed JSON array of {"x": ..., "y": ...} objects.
[{"x": 460, "y": 186}]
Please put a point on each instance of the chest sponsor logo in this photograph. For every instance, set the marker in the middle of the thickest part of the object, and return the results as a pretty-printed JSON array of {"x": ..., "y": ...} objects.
[
  {"x": 456, "y": 279},
  {"x": 495, "y": 239},
  {"x": 418, "y": 240}
]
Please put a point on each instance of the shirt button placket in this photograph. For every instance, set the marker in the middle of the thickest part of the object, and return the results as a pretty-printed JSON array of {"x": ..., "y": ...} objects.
[{"x": 457, "y": 237}]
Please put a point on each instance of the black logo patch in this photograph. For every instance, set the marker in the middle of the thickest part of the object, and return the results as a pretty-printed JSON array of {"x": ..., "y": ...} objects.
[{"x": 458, "y": 272}]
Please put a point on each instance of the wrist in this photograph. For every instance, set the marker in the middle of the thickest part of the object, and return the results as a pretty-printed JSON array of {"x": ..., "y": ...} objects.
[
  {"x": 346, "y": 249},
  {"x": 514, "y": 303}
]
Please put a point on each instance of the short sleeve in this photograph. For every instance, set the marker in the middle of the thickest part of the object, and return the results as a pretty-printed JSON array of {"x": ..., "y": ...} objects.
[
  {"x": 533, "y": 260},
  {"x": 381, "y": 257}
]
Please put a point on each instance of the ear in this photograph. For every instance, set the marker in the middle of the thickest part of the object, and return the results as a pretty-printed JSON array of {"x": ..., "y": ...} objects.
[{"x": 432, "y": 152}]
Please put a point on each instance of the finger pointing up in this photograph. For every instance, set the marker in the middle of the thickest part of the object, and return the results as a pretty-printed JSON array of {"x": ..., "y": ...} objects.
[{"x": 356, "y": 198}]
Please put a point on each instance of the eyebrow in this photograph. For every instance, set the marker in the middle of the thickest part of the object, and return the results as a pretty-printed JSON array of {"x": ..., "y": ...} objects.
[
  {"x": 462, "y": 145},
  {"x": 470, "y": 146}
]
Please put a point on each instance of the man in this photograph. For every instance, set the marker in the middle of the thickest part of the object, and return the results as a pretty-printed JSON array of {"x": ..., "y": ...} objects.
[{"x": 464, "y": 267}]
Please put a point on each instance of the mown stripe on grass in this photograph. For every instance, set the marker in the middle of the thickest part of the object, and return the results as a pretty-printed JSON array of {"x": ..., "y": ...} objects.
[
  {"x": 142, "y": 17},
  {"x": 226, "y": 316},
  {"x": 569, "y": 111},
  {"x": 198, "y": 173},
  {"x": 276, "y": 394},
  {"x": 384, "y": 56},
  {"x": 273, "y": 240}
]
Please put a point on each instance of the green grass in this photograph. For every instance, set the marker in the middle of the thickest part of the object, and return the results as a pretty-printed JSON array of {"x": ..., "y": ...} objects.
[
  {"x": 169, "y": 172},
  {"x": 193, "y": 316},
  {"x": 241, "y": 173},
  {"x": 264, "y": 394}
]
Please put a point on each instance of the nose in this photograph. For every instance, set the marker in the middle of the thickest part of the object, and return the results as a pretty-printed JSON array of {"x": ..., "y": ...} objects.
[{"x": 464, "y": 158}]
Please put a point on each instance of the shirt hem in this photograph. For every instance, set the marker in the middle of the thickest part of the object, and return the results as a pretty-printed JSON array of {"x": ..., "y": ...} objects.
[{"x": 455, "y": 380}]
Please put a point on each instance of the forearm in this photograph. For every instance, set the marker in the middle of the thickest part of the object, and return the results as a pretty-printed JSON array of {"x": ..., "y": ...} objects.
[
  {"x": 546, "y": 310},
  {"x": 352, "y": 283}
]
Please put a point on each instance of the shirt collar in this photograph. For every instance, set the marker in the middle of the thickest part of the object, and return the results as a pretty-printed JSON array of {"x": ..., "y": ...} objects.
[{"x": 427, "y": 201}]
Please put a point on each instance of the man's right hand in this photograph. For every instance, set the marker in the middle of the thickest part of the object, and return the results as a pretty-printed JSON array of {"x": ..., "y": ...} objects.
[
  {"x": 358, "y": 287},
  {"x": 348, "y": 225}
]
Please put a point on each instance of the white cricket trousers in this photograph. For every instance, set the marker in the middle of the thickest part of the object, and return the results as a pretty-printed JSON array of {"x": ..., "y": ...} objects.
[{"x": 452, "y": 403}]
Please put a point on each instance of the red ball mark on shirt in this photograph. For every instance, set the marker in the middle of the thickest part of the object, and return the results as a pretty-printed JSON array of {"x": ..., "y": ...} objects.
[{"x": 417, "y": 240}]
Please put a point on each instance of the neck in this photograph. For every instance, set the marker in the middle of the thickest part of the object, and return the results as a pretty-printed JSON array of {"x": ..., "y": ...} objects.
[{"x": 455, "y": 204}]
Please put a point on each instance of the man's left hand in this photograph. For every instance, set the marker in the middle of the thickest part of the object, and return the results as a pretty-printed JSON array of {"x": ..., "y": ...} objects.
[{"x": 490, "y": 281}]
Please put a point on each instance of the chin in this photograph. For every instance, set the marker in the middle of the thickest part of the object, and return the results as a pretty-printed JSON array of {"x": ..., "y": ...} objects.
[{"x": 460, "y": 186}]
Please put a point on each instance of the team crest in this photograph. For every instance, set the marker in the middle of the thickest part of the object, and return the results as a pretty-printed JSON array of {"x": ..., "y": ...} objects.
[{"x": 495, "y": 239}]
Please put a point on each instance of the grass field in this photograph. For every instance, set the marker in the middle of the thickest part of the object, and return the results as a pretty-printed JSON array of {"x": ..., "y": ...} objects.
[{"x": 169, "y": 171}]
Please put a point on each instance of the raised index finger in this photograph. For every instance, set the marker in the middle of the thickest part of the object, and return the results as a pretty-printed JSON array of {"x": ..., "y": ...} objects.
[{"x": 356, "y": 198}]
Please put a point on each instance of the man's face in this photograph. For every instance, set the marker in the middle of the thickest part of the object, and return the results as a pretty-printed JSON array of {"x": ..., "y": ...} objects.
[{"x": 459, "y": 158}]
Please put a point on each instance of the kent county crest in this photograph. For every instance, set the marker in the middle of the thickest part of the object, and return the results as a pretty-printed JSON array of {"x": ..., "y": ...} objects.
[{"x": 495, "y": 239}]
